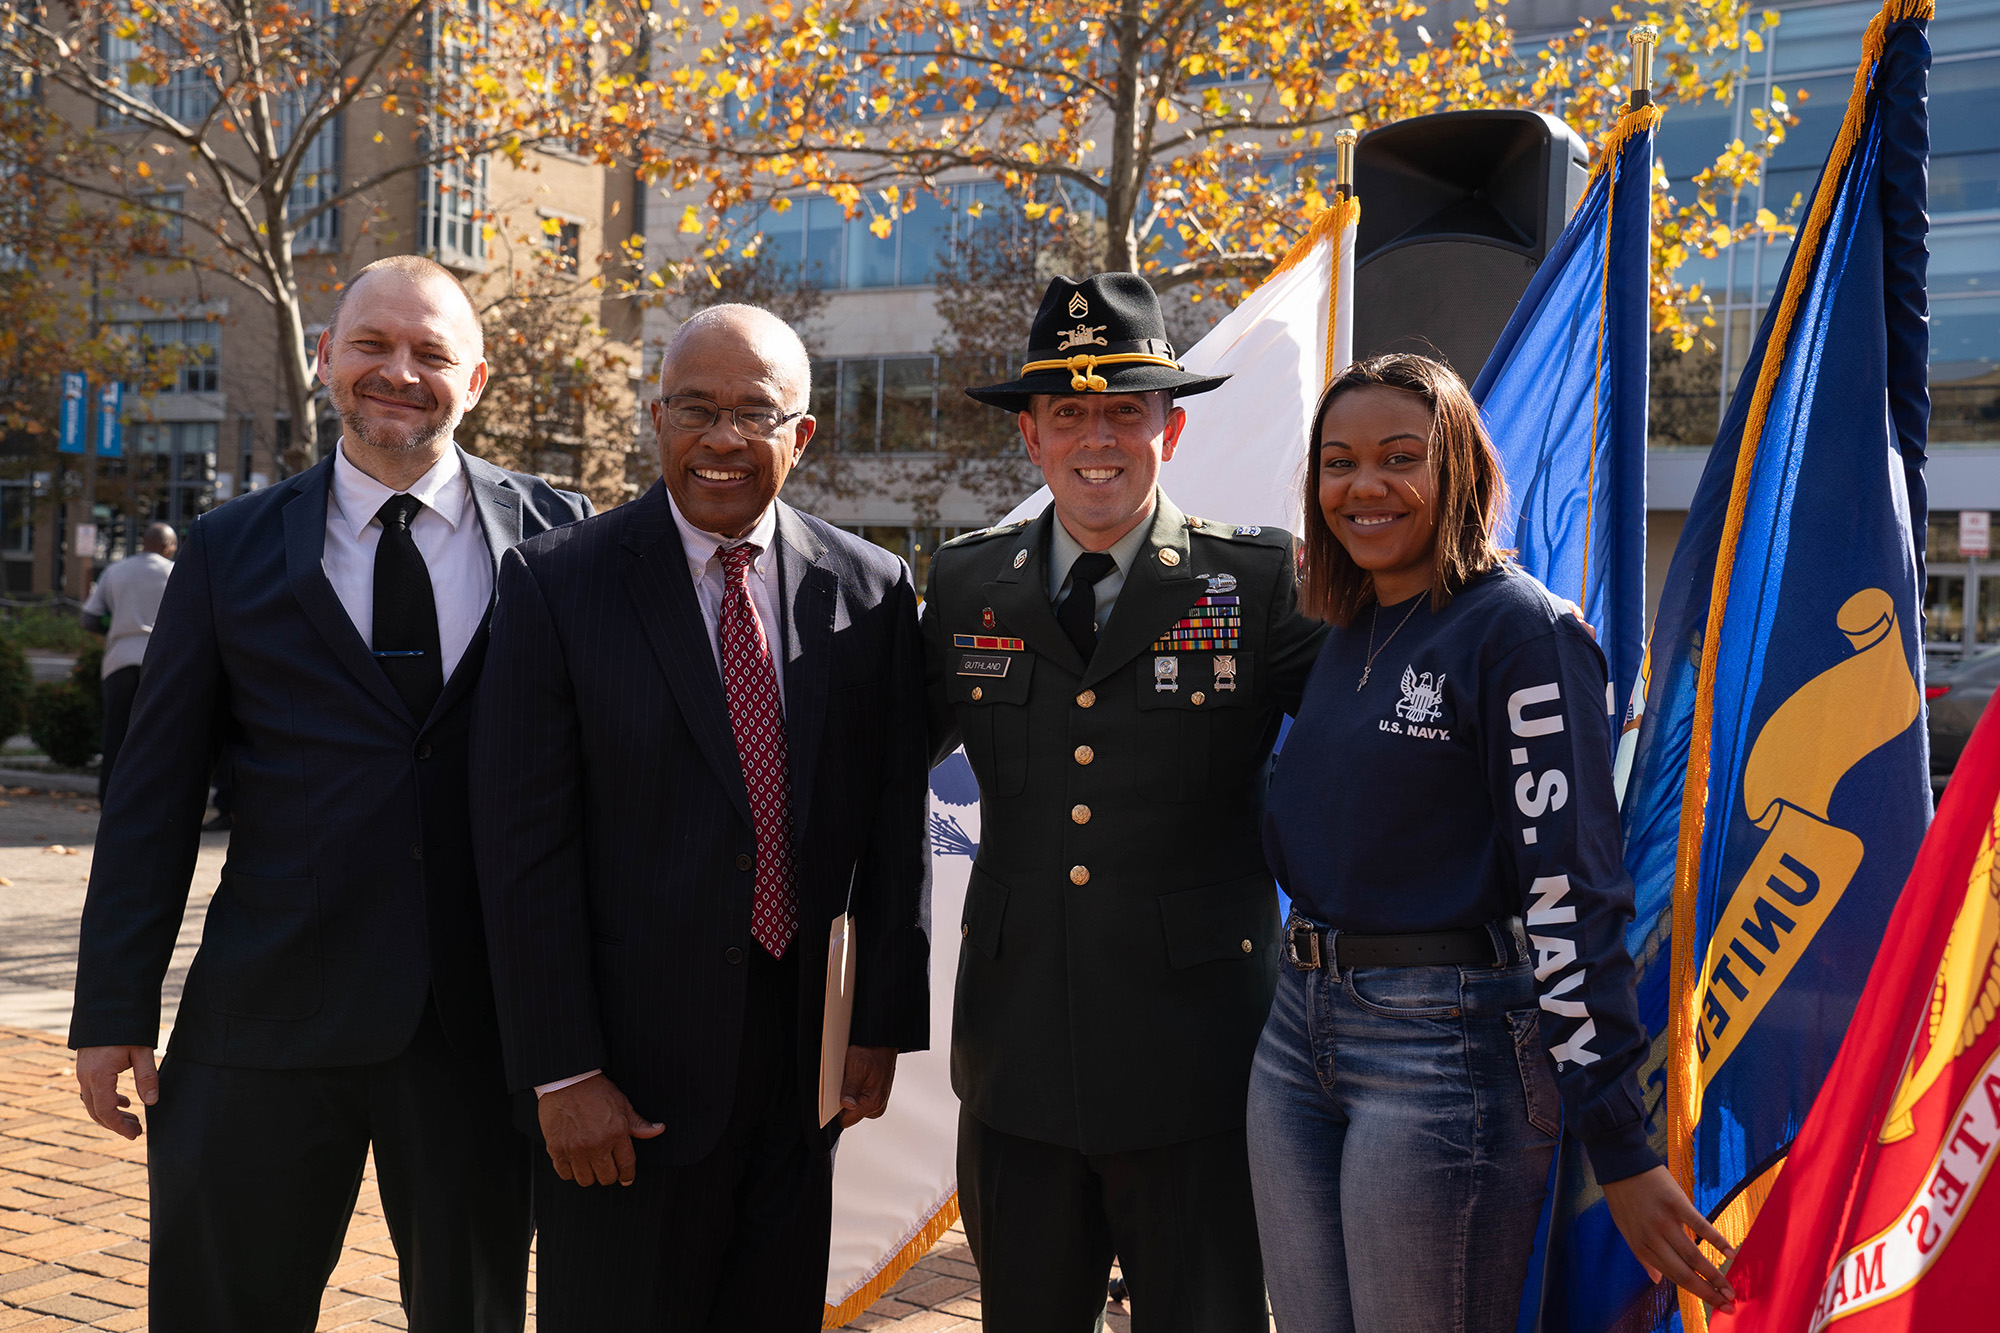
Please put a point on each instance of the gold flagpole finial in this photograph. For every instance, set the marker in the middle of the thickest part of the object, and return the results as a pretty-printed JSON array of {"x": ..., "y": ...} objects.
[
  {"x": 1343, "y": 162},
  {"x": 1643, "y": 38}
]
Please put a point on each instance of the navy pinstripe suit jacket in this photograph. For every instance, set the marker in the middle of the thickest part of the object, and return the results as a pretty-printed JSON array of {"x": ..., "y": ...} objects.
[{"x": 615, "y": 842}]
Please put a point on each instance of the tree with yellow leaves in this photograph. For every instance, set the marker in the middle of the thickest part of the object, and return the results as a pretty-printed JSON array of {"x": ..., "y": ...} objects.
[
  {"x": 1199, "y": 131},
  {"x": 205, "y": 122}
]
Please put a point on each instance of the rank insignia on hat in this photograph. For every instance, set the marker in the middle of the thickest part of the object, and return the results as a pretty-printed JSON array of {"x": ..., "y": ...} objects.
[
  {"x": 1166, "y": 675},
  {"x": 986, "y": 618},
  {"x": 1248, "y": 530},
  {"x": 1221, "y": 583},
  {"x": 1078, "y": 307},
  {"x": 988, "y": 642},
  {"x": 1225, "y": 671}
]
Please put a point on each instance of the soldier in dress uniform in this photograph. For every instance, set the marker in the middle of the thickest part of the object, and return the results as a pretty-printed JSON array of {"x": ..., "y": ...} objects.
[{"x": 1116, "y": 670}]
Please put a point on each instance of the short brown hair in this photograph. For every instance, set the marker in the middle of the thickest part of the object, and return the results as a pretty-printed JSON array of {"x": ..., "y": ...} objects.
[{"x": 1469, "y": 490}]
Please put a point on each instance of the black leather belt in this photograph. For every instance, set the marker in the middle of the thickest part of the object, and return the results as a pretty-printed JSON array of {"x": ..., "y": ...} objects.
[{"x": 1309, "y": 947}]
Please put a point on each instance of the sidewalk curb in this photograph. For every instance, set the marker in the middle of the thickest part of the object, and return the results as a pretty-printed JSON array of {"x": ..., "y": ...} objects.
[{"x": 72, "y": 784}]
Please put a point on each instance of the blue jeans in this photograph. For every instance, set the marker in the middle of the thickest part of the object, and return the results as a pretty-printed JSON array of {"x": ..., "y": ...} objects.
[{"x": 1401, "y": 1124}]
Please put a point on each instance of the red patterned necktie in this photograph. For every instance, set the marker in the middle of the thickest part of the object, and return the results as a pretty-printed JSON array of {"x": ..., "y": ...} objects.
[{"x": 750, "y": 679}]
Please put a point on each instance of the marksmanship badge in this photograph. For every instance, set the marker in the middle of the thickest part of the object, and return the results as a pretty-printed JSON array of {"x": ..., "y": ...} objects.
[
  {"x": 1225, "y": 671},
  {"x": 1166, "y": 675}
]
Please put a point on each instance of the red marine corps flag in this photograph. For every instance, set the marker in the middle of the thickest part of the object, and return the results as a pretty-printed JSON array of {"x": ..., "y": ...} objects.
[{"x": 1883, "y": 1220}]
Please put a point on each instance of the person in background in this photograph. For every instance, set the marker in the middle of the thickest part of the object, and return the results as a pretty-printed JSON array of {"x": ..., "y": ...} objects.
[
  {"x": 123, "y": 606},
  {"x": 1456, "y": 973}
]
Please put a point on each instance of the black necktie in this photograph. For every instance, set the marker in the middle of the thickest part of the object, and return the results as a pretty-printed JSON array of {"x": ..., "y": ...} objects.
[
  {"x": 1078, "y": 612},
  {"x": 406, "y": 619}
]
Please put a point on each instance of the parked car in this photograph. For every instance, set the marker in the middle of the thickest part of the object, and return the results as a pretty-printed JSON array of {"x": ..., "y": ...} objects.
[{"x": 1957, "y": 695}]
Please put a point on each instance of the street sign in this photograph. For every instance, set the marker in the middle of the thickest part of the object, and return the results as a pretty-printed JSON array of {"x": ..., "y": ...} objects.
[
  {"x": 75, "y": 390},
  {"x": 85, "y": 545},
  {"x": 1975, "y": 533},
  {"x": 110, "y": 426}
]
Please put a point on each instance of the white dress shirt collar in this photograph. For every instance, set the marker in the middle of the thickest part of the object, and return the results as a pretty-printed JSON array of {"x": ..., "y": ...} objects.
[
  {"x": 360, "y": 497},
  {"x": 701, "y": 546}
]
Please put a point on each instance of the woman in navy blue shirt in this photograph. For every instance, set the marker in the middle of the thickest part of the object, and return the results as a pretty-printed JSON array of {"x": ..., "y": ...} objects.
[{"x": 1443, "y": 818}]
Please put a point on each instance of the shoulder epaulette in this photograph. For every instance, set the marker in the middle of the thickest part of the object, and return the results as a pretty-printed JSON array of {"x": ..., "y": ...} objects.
[
  {"x": 1249, "y": 533},
  {"x": 981, "y": 534}
]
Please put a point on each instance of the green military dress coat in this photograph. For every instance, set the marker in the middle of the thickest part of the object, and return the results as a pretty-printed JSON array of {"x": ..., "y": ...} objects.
[{"x": 1120, "y": 934}]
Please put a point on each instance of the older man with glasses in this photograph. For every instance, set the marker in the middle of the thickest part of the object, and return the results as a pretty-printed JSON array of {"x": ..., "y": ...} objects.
[{"x": 701, "y": 748}]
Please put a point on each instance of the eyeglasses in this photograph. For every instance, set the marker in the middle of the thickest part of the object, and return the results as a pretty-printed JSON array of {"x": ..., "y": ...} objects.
[{"x": 752, "y": 423}]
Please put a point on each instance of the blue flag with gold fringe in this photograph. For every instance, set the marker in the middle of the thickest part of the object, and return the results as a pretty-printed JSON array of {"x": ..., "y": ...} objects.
[
  {"x": 1781, "y": 787},
  {"x": 1563, "y": 395}
]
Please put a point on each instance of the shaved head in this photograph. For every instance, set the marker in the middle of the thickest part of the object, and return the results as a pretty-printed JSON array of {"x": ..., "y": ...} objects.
[
  {"x": 423, "y": 272},
  {"x": 775, "y": 342}
]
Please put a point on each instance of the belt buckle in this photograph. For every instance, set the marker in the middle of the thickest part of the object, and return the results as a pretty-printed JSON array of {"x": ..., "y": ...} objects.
[{"x": 1310, "y": 958}]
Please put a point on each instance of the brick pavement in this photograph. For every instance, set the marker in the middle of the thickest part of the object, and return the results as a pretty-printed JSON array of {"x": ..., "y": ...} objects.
[{"x": 73, "y": 1226}]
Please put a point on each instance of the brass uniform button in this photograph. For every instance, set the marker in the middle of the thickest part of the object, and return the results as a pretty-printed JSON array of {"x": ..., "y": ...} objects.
[
  {"x": 1196, "y": 701},
  {"x": 1079, "y": 875},
  {"x": 1087, "y": 699},
  {"x": 977, "y": 694},
  {"x": 1246, "y": 946},
  {"x": 1169, "y": 556},
  {"x": 1084, "y": 754},
  {"x": 965, "y": 933},
  {"x": 1079, "y": 814}
]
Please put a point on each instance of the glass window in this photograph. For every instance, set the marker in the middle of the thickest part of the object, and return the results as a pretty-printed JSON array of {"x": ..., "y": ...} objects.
[
  {"x": 826, "y": 224},
  {"x": 825, "y": 398},
  {"x": 908, "y": 394},
  {"x": 1825, "y": 38},
  {"x": 1970, "y": 26},
  {"x": 926, "y": 233},
  {"x": 1689, "y": 139},
  {"x": 871, "y": 259},
  {"x": 860, "y": 395},
  {"x": 784, "y": 245},
  {"x": 1944, "y": 608},
  {"x": 1989, "y": 608},
  {"x": 1965, "y": 370},
  {"x": 1941, "y": 536},
  {"x": 1965, "y": 259}
]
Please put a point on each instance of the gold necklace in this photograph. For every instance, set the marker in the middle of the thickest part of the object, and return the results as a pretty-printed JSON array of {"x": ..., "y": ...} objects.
[{"x": 1374, "y": 652}]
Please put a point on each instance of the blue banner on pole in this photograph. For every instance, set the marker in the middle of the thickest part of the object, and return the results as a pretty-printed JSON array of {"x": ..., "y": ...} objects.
[
  {"x": 110, "y": 420},
  {"x": 75, "y": 402}
]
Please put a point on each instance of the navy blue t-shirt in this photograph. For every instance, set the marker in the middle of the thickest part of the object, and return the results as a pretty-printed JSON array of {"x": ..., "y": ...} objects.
[{"x": 1469, "y": 781}]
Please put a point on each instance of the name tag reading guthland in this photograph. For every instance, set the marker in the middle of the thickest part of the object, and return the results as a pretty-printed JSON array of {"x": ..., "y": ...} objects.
[{"x": 993, "y": 667}]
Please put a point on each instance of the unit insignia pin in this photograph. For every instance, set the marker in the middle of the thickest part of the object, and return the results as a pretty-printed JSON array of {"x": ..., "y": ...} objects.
[
  {"x": 1166, "y": 675},
  {"x": 986, "y": 618},
  {"x": 1078, "y": 307},
  {"x": 1169, "y": 556},
  {"x": 1220, "y": 583},
  {"x": 1083, "y": 335},
  {"x": 1020, "y": 558},
  {"x": 1248, "y": 530},
  {"x": 1225, "y": 672}
]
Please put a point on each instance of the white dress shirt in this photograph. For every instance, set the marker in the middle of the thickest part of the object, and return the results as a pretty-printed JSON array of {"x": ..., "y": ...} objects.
[
  {"x": 447, "y": 534},
  {"x": 705, "y": 568},
  {"x": 129, "y": 592},
  {"x": 703, "y": 550}
]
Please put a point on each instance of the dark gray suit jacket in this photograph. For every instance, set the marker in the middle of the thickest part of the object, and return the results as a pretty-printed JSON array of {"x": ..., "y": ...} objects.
[
  {"x": 348, "y": 897},
  {"x": 616, "y": 848}
]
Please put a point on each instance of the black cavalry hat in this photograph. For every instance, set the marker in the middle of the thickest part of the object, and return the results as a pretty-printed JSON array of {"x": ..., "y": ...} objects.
[{"x": 1102, "y": 335}]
